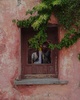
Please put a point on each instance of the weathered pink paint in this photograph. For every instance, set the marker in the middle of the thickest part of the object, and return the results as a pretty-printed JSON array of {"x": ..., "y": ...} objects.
[{"x": 10, "y": 62}]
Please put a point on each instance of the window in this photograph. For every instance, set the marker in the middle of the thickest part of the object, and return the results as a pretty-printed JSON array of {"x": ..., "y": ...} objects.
[{"x": 47, "y": 65}]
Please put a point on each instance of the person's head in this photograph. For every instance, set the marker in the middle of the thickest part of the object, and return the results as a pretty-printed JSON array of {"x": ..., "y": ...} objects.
[{"x": 45, "y": 46}]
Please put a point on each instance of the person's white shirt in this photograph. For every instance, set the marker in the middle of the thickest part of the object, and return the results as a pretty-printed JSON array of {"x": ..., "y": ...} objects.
[{"x": 35, "y": 56}]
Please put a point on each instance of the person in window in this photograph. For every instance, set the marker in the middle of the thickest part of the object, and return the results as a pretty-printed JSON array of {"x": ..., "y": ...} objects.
[
  {"x": 42, "y": 56},
  {"x": 46, "y": 53},
  {"x": 36, "y": 57}
]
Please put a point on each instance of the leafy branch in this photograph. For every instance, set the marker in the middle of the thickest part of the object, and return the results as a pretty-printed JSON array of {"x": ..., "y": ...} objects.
[{"x": 66, "y": 11}]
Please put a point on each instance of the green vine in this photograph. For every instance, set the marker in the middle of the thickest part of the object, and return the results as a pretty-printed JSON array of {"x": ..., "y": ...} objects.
[
  {"x": 66, "y": 11},
  {"x": 69, "y": 39}
]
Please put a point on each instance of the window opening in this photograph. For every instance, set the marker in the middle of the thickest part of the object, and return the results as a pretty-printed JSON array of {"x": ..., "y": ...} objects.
[{"x": 42, "y": 62}]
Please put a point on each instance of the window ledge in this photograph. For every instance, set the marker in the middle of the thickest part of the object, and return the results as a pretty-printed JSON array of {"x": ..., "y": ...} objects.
[{"x": 38, "y": 81}]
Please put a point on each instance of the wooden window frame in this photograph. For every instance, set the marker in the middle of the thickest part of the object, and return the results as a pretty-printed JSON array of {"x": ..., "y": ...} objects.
[{"x": 56, "y": 70}]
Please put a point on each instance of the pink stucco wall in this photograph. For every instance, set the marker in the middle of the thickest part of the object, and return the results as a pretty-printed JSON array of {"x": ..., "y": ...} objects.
[{"x": 10, "y": 64}]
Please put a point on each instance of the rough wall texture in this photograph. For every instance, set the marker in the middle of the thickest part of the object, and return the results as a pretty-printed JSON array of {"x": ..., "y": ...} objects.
[{"x": 10, "y": 65}]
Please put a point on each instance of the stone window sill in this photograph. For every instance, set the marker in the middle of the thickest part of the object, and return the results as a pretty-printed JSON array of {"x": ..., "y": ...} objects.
[{"x": 43, "y": 81}]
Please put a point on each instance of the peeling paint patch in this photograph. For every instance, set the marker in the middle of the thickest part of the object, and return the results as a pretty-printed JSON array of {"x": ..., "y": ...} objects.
[
  {"x": 2, "y": 35},
  {"x": 26, "y": 90},
  {"x": 18, "y": 2},
  {"x": 2, "y": 48}
]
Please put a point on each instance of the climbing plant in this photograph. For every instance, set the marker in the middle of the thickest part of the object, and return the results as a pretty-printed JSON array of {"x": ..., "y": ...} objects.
[{"x": 66, "y": 11}]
